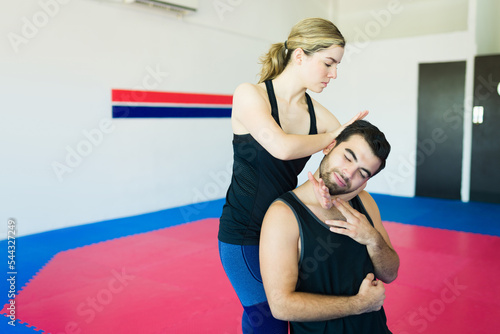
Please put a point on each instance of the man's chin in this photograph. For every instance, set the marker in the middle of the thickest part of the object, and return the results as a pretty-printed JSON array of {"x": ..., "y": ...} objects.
[{"x": 339, "y": 192}]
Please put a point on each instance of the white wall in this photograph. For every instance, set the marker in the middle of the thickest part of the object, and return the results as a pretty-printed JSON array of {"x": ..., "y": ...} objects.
[
  {"x": 60, "y": 60},
  {"x": 401, "y": 18},
  {"x": 382, "y": 77},
  {"x": 488, "y": 27}
]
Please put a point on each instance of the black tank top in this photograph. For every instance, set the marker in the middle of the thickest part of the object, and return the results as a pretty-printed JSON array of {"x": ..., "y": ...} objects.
[
  {"x": 332, "y": 264},
  {"x": 258, "y": 179}
]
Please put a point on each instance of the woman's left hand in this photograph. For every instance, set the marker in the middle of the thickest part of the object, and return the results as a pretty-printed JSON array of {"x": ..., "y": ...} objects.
[{"x": 321, "y": 191}]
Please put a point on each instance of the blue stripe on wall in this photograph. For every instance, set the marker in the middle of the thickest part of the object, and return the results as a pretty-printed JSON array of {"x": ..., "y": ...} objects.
[{"x": 169, "y": 112}]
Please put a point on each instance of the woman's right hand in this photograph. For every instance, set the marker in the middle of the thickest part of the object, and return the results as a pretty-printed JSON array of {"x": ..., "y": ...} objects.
[{"x": 359, "y": 116}]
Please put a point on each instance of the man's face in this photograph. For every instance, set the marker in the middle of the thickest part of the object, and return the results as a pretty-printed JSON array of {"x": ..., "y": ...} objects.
[{"x": 348, "y": 165}]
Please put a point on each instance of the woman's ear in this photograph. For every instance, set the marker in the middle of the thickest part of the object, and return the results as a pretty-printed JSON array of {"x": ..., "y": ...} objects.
[{"x": 298, "y": 55}]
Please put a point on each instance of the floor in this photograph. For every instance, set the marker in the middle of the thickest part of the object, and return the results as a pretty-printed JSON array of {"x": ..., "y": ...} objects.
[{"x": 159, "y": 273}]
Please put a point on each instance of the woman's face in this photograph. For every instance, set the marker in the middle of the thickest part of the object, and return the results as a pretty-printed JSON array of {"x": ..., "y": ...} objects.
[{"x": 320, "y": 67}]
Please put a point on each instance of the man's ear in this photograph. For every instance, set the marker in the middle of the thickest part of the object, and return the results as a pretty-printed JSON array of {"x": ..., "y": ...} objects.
[{"x": 329, "y": 148}]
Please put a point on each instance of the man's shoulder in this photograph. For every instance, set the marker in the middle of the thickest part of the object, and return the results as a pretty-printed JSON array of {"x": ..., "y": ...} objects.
[
  {"x": 281, "y": 205},
  {"x": 367, "y": 200},
  {"x": 280, "y": 220},
  {"x": 370, "y": 205}
]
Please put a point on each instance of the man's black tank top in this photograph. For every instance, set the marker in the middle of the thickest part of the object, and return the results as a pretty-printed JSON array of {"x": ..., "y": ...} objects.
[
  {"x": 332, "y": 264},
  {"x": 258, "y": 179}
]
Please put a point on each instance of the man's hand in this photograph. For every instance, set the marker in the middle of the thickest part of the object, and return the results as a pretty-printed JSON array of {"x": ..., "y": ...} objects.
[
  {"x": 371, "y": 294},
  {"x": 375, "y": 238},
  {"x": 357, "y": 226}
]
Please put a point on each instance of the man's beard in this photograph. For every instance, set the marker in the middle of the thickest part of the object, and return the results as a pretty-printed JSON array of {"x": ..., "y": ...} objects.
[{"x": 326, "y": 174}]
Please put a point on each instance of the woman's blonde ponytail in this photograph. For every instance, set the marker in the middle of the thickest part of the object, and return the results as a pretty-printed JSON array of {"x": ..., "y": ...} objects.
[{"x": 273, "y": 62}]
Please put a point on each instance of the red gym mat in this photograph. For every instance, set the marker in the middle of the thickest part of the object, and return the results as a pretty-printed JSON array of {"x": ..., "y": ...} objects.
[
  {"x": 171, "y": 281},
  {"x": 445, "y": 283},
  {"x": 166, "y": 281}
]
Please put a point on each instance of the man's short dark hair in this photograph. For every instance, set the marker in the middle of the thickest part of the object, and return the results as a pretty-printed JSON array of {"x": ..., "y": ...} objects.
[{"x": 373, "y": 136}]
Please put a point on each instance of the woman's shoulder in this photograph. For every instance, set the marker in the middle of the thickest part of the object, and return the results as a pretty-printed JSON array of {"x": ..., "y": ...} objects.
[
  {"x": 326, "y": 121},
  {"x": 247, "y": 88},
  {"x": 250, "y": 94}
]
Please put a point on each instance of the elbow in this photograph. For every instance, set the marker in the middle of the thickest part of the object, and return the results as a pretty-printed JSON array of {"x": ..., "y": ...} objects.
[
  {"x": 281, "y": 154},
  {"x": 279, "y": 310},
  {"x": 280, "y": 148},
  {"x": 391, "y": 275},
  {"x": 390, "y": 278},
  {"x": 278, "y": 314},
  {"x": 396, "y": 270}
]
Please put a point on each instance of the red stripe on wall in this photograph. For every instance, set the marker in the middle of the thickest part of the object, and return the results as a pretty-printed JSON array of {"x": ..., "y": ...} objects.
[{"x": 138, "y": 96}]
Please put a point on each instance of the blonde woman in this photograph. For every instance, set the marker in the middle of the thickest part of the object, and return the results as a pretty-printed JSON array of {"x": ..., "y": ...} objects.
[{"x": 277, "y": 126}]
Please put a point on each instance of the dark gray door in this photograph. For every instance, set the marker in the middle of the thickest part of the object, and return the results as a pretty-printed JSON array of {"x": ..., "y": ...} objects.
[
  {"x": 441, "y": 93},
  {"x": 485, "y": 165}
]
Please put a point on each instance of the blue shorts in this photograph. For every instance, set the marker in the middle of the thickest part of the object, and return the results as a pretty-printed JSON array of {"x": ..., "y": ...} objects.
[{"x": 241, "y": 264}]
